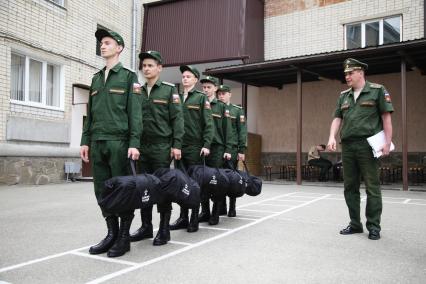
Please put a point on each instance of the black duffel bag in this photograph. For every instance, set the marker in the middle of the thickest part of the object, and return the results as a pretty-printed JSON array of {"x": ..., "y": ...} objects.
[
  {"x": 124, "y": 193},
  {"x": 253, "y": 183},
  {"x": 213, "y": 183},
  {"x": 178, "y": 187},
  {"x": 236, "y": 183}
]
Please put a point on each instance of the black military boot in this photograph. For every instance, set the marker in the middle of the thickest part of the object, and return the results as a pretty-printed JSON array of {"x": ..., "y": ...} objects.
[
  {"x": 163, "y": 234},
  {"x": 205, "y": 212},
  {"x": 231, "y": 211},
  {"x": 214, "y": 217},
  {"x": 181, "y": 222},
  {"x": 104, "y": 245},
  {"x": 122, "y": 244},
  {"x": 222, "y": 208},
  {"x": 193, "y": 222},
  {"x": 145, "y": 231}
]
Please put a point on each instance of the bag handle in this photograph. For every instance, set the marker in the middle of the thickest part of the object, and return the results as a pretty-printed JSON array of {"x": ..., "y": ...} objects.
[
  {"x": 133, "y": 166},
  {"x": 229, "y": 164},
  {"x": 181, "y": 166},
  {"x": 246, "y": 168}
]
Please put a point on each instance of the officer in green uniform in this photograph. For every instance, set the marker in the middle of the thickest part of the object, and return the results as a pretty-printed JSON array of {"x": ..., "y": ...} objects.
[
  {"x": 112, "y": 133},
  {"x": 237, "y": 139},
  {"x": 365, "y": 109},
  {"x": 220, "y": 148},
  {"x": 161, "y": 138},
  {"x": 197, "y": 138}
]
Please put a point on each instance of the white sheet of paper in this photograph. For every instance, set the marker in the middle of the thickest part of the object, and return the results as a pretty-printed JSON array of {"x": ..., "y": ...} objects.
[{"x": 377, "y": 141}]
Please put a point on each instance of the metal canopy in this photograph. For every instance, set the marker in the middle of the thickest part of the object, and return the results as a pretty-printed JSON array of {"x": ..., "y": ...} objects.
[{"x": 276, "y": 73}]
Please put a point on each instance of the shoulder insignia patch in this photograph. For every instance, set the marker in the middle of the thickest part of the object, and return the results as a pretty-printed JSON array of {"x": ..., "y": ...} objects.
[
  {"x": 375, "y": 86},
  {"x": 176, "y": 99},
  {"x": 207, "y": 105},
  {"x": 168, "y": 84},
  {"x": 137, "y": 88},
  {"x": 227, "y": 113},
  {"x": 387, "y": 97}
]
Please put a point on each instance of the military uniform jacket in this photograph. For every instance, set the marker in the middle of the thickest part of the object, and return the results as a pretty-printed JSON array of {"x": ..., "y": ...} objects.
[
  {"x": 238, "y": 137},
  {"x": 222, "y": 124},
  {"x": 162, "y": 115},
  {"x": 197, "y": 119},
  {"x": 362, "y": 118},
  {"x": 114, "y": 109}
]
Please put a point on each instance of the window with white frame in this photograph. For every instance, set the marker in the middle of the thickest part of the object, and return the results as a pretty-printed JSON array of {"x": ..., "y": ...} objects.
[
  {"x": 373, "y": 32},
  {"x": 35, "y": 82}
]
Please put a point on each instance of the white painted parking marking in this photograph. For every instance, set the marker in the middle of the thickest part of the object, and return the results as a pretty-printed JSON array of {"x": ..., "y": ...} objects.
[
  {"x": 107, "y": 259},
  {"x": 4, "y": 269},
  {"x": 213, "y": 228},
  {"x": 184, "y": 249}
]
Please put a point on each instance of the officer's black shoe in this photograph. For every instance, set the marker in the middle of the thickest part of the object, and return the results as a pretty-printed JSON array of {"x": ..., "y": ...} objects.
[
  {"x": 214, "y": 217},
  {"x": 222, "y": 208},
  {"x": 193, "y": 222},
  {"x": 374, "y": 234},
  {"x": 145, "y": 231},
  {"x": 163, "y": 234},
  {"x": 231, "y": 211},
  {"x": 182, "y": 222},
  {"x": 122, "y": 244},
  {"x": 349, "y": 230},
  {"x": 104, "y": 245},
  {"x": 205, "y": 212}
]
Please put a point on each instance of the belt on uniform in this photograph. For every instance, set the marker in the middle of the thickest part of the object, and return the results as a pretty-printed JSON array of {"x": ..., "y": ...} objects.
[{"x": 355, "y": 139}]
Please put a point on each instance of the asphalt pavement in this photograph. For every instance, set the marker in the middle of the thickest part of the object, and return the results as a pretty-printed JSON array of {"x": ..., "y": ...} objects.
[{"x": 288, "y": 234}]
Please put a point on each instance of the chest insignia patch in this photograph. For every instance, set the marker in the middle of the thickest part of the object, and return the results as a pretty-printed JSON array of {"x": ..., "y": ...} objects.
[{"x": 242, "y": 119}]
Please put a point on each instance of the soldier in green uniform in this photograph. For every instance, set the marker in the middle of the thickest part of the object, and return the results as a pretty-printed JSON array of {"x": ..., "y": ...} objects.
[
  {"x": 220, "y": 148},
  {"x": 237, "y": 139},
  {"x": 197, "y": 138},
  {"x": 365, "y": 109},
  {"x": 112, "y": 133},
  {"x": 161, "y": 138}
]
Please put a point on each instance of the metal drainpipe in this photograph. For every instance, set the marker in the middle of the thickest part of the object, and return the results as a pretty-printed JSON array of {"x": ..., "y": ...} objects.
[{"x": 134, "y": 29}]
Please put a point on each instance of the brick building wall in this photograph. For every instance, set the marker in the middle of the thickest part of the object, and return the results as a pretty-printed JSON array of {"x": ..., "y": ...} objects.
[
  {"x": 301, "y": 27},
  {"x": 63, "y": 36}
]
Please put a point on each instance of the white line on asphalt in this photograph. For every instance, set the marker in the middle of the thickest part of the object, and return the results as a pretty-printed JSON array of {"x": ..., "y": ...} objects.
[
  {"x": 107, "y": 259},
  {"x": 4, "y": 269},
  {"x": 406, "y": 201},
  {"x": 268, "y": 199},
  {"x": 270, "y": 204},
  {"x": 180, "y": 243},
  {"x": 291, "y": 200},
  {"x": 249, "y": 216},
  {"x": 244, "y": 218},
  {"x": 179, "y": 251},
  {"x": 213, "y": 228},
  {"x": 255, "y": 210}
]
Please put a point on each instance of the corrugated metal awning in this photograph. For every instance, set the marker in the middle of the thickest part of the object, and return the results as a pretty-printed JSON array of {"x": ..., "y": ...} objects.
[{"x": 276, "y": 73}]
